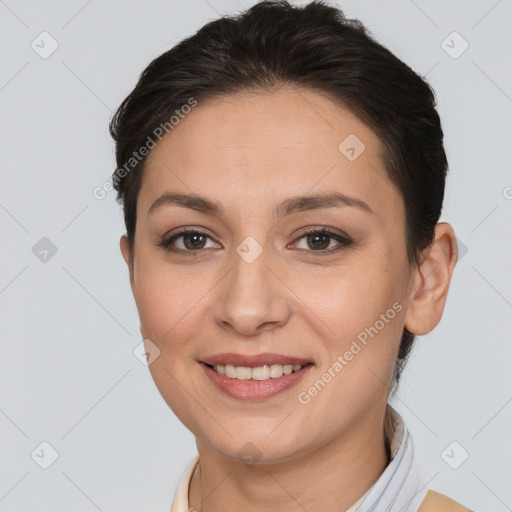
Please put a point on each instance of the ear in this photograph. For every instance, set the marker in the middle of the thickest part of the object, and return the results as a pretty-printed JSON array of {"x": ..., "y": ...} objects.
[
  {"x": 127, "y": 256},
  {"x": 430, "y": 282}
]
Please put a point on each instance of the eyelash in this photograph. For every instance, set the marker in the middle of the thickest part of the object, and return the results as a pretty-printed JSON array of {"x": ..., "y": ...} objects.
[{"x": 343, "y": 241}]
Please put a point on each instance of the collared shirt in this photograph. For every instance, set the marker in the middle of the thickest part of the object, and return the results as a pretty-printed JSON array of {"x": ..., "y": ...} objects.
[{"x": 398, "y": 489}]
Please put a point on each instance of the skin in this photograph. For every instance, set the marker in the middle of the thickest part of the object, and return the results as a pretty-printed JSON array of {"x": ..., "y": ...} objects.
[{"x": 250, "y": 152}]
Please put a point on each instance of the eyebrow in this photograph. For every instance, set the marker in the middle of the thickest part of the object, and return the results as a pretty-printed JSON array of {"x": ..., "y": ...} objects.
[{"x": 291, "y": 205}]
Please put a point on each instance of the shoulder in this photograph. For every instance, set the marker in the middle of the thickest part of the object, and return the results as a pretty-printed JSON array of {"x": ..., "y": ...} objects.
[{"x": 437, "y": 502}]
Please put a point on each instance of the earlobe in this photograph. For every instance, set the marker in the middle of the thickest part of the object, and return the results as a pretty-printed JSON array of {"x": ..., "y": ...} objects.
[
  {"x": 127, "y": 255},
  {"x": 429, "y": 286}
]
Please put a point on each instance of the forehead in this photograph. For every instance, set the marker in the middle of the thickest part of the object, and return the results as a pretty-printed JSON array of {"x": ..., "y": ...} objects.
[{"x": 257, "y": 147}]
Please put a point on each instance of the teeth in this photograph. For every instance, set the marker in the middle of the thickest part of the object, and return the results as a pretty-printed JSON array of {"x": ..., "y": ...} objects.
[{"x": 266, "y": 372}]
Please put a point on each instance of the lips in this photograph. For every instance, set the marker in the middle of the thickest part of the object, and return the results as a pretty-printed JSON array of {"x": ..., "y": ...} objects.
[
  {"x": 271, "y": 373},
  {"x": 254, "y": 390},
  {"x": 254, "y": 360}
]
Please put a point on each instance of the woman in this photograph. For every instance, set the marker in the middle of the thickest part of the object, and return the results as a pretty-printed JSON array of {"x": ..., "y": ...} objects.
[{"x": 282, "y": 176}]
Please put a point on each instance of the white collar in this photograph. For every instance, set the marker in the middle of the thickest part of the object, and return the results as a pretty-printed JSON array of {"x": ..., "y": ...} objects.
[{"x": 396, "y": 490}]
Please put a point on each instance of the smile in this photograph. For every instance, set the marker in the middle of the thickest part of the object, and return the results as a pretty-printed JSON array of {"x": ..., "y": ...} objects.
[
  {"x": 255, "y": 383},
  {"x": 266, "y": 372}
]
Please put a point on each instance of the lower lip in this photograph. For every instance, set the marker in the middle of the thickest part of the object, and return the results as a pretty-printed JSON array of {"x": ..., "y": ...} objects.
[{"x": 254, "y": 389}]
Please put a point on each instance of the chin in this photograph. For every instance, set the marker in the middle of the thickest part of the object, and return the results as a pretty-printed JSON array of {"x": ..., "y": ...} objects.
[{"x": 252, "y": 450}]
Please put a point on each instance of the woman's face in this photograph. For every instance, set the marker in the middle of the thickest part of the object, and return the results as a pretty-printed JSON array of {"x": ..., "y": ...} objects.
[{"x": 257, "y": 283}]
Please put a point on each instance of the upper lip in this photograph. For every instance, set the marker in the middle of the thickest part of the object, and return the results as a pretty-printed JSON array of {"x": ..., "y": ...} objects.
[{"x": 253, "y": 361}]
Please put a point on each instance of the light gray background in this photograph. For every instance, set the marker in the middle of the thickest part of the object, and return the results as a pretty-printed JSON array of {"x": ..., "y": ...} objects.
[{"x": 67, "y": 372}]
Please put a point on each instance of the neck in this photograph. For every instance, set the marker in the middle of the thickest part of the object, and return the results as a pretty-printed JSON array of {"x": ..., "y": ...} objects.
[{"x": 331, "y": 477}]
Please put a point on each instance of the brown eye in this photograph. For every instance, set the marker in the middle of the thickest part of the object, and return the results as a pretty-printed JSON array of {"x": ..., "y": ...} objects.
[
  {"x": 191, "y": 242},
  {"x": 319, "y": 240},
  {"x": 194, "y": 241}
]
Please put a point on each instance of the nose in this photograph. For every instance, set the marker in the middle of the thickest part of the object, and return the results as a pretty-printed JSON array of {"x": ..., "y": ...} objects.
[{"x": 252, "y": 297}]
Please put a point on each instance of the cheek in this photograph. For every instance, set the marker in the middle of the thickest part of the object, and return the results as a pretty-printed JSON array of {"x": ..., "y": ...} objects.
[
  {"x": 169, "y": 304},
  {"x": 364, "y": 313},
  {"x": 352, "y": 299},
  {"x": 357, "y": 365},
  {"x": 165, "y": 301}
]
